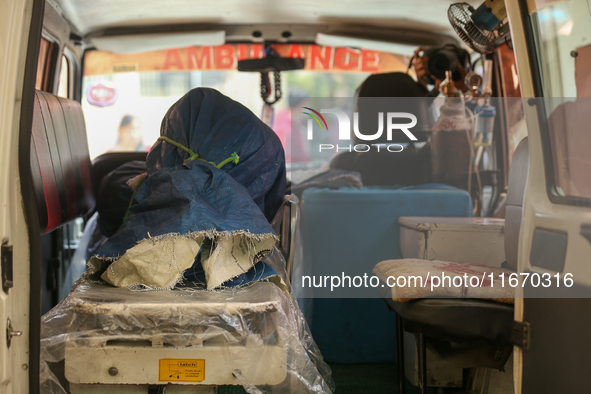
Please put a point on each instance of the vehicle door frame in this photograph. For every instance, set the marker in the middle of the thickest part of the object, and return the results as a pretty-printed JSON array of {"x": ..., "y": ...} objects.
[
  {"x": 19, "y": 226},
  {"x": 541, "y": 210}
]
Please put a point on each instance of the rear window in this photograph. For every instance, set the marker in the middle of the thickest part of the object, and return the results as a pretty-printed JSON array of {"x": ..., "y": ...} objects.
[{"x": 125, "y": 96}]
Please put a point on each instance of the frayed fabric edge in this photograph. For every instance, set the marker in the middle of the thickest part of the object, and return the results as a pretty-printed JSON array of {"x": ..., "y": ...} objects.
[{"x": 211, "y": 234}]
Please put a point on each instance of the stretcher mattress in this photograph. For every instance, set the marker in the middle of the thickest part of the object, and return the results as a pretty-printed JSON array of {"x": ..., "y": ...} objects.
[{"x": 251, "y": 336}]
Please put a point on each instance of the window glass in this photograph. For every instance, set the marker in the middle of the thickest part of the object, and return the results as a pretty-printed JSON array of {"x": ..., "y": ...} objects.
[
  {"x": 562, "y": 32},
  {"x": 42, "y": 63},
  {"x": 570, "y": 141},
  {"x": 125, "y": 96},
  {"x": 514, "y": 117},
  {"x": 64, "y": 82}
]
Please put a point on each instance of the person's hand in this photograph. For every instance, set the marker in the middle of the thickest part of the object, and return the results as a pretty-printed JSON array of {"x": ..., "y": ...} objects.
[{"x": 419, "y": 63}]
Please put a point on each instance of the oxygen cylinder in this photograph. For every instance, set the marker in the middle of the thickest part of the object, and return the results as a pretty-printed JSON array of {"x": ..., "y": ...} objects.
[{"x": 451, "y": 151}]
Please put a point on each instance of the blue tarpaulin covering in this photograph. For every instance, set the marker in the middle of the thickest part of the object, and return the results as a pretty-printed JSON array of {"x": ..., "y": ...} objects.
[{"x": 189, "y": 207}]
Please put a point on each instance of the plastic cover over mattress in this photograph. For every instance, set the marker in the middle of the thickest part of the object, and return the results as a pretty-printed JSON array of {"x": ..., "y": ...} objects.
[{"x": 254, "y": 336}]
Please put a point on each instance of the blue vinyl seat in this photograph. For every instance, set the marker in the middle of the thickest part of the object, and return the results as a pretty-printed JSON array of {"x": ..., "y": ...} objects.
[{"x": 349, "y": 231}]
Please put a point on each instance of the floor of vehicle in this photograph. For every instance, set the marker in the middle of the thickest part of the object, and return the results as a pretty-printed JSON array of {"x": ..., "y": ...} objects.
[
  {"x": 231, "y": 390},
  {"x": 355, "y": 379},
  {"x": 370, "y": 378}
]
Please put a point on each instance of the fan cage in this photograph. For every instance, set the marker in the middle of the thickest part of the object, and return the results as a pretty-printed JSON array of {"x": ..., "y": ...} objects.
[{"x": 460, "y": 17}]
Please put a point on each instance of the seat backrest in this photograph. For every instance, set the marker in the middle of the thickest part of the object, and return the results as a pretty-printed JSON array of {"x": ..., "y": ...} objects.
[
  {"x": 60, "y": 161},
  {"x": 350, "y": 231},
  {"x": 285, "y": 224},
  {"x": 107, "y": 162},
  {"x": 514, "y": 206}
]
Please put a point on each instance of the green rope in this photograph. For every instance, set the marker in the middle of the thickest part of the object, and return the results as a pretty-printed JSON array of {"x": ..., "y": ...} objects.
[
  {"x": 129, "y": 205},
  {"x": 234, "y": 158},
  {"x": 192, "y": 155}
]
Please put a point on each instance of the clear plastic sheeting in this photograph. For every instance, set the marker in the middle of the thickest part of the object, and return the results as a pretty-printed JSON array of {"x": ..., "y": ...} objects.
[{"x": 254, "y": 336}]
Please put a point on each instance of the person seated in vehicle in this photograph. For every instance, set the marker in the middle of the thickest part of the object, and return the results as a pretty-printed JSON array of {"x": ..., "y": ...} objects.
[
  {"x": 411, "y": 164},
  {"x": 378, "y": 166}
]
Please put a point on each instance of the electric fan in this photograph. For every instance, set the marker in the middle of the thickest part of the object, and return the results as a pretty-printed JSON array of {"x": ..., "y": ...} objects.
[{"x": 479, "y": 28}]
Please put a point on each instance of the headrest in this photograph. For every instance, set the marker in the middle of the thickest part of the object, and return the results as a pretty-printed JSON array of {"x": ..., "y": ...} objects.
[{"x": 391, "y": 85}]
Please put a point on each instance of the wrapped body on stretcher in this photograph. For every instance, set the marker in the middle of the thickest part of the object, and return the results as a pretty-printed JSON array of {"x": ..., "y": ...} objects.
[{"x": 192, "y": 220}]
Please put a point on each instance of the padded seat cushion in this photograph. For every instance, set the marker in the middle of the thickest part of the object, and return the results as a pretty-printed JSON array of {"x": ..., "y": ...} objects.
[
  {"x": 409, "y": 279},
  {"x": 462, "y": 320}
]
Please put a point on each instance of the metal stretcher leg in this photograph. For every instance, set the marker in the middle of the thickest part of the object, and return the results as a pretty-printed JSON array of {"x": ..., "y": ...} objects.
[
  {"x": 422, "y": 349},
  {"x": 400, "y": 355}
]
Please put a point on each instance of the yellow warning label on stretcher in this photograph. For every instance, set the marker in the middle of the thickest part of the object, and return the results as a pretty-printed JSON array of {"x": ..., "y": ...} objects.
[{"x": 181, "y": 370}]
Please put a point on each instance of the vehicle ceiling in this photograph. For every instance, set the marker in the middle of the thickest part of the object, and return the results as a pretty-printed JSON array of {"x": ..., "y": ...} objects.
[{"x": 402, "y": 18}]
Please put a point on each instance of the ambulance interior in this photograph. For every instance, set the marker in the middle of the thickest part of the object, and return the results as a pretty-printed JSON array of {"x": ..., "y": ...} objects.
[{"x": 451, "y": 198}]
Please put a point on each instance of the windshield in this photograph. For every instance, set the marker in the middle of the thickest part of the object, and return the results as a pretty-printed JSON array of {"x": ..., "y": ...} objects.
[{"x": 127, "y": 95}]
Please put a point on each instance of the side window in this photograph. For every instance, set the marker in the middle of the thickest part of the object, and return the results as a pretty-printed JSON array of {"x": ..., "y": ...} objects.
[
  {"x": 570, "y": 143},
  {"x": 514, "y": 118},
  {"x": 569, "y": 134},
  {"x": 45, "y": 65},
  {"x": 562, "y": 32},
  {"x": 65, "y": 78},
  {"x": 64, "y": 81},
  {"x": 41, "y": 62}
]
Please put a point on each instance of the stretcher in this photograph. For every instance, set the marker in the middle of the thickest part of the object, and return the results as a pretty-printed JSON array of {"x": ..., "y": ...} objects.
[{"x": 185, "y": 340}]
